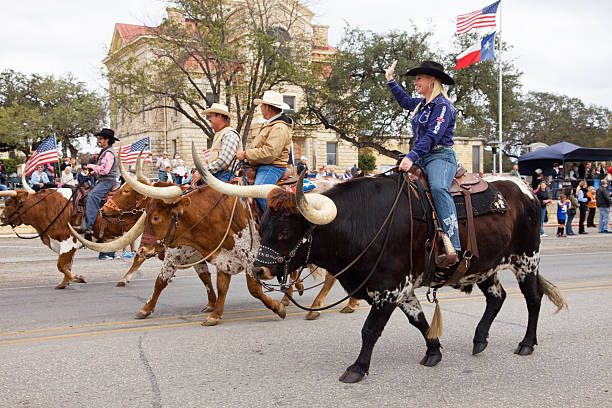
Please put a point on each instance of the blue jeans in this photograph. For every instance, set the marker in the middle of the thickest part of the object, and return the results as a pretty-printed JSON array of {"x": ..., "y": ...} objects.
[
  {"x": 604, "y": 218},
  {"x": 267, "y": 174},
  {"x": 223, "y": 175},
  {"x": 568, "y": 224},
  {"x": 3, "y": 187},
  {"x": 93, "y": 200},
  {"x": 542, "y": 221},
  {"x": 440, "y": 166},
  {"x": 161, "y": 175},
  {"x": 555, "y": 185}
]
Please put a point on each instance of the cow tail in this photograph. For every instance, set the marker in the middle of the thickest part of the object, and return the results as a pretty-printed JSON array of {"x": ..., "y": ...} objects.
[
  {"x": 435, "y": 330},
  {"x": 553, "y": 293}
]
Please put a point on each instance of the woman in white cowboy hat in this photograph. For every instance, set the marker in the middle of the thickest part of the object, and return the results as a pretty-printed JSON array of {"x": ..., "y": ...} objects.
[
  {"x": 271, "y": 146},
  {"x": 433, "y": 124},
  {"x": 225, "y": 143}
]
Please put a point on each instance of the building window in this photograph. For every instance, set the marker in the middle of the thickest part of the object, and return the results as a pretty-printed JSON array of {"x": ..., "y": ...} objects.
[
  {"x": 173, "y": 147},
  {"x": 210, "y": 97},
  {"x": 289, "y": 100},
  {"x": 332, "y": 153}
]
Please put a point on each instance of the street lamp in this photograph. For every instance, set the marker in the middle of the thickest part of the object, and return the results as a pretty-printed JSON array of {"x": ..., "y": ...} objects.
[{"x": 494, "y": 146}]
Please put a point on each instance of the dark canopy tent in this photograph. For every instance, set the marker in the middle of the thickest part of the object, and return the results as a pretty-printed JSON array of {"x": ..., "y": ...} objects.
[{"x": 560, "y": 153}]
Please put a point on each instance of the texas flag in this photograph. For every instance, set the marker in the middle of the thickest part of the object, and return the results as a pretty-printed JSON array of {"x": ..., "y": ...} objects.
[{"x": 481, "y": 51}]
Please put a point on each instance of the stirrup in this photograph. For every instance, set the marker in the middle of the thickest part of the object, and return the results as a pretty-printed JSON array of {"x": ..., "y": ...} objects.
[{"x": 447, "y": 260}]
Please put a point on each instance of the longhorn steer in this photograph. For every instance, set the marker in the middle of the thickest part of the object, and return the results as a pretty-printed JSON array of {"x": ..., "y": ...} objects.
[
  {"x": 340, "y": 230},
  {"x": 50, "y": 212}
]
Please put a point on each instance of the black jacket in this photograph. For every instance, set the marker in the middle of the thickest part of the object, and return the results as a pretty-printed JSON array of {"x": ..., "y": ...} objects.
[{"x": 603, "y": 198}]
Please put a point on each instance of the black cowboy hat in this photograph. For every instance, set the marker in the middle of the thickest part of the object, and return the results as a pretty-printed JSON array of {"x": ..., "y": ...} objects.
[
  {"x": 107, "y": 134},
  {"x": 434, "y": 69}
]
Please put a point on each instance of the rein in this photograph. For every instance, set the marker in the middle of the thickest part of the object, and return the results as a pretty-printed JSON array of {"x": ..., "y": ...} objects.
[
  {"x": 173, "y": 227},
  {"x": 20, "y": 213},
  {"x": 307, "y": 238},
  {"x": 229, "y": 224}
]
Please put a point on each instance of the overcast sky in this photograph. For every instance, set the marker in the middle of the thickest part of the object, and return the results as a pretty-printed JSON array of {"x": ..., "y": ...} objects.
[{"x": 561, "y": 46}]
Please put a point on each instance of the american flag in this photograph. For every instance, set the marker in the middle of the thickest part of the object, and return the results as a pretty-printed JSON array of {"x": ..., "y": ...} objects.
[
  {"x": 46, "y": 152},
  {"x": 129, "y": 153},
  {"x": 477, "y": 19},
  {"x": 206, "y": 154}
]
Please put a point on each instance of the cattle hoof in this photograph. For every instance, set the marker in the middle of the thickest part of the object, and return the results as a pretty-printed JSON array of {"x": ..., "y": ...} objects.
[
  {"x": 211, "y": 321},
  {"x": 207, "y": 309},
  {"x": 79, "y": 279},
  {"x": 479, "y": 347},
  {"x": 347, "y": 309},
  {"x": 431, "y": 360},
  {"x": 352, "y": 375},
  {"x": 62, "y": 285},
  {"x": 523, "y": 349},
  {"x": 312, "y": 315},
  {"x": 142, "y": 314},
  {"x": 281, "y": 312},
  {"x": 121, "y": 284},
  {"x": 300, "y": 288}
]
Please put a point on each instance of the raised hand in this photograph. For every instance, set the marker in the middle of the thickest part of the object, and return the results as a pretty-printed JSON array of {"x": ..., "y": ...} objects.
[{"x": 390, "y": 71}]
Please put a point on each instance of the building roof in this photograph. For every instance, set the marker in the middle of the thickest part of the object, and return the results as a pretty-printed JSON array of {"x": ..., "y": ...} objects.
[{"x": 130, "y": 31}]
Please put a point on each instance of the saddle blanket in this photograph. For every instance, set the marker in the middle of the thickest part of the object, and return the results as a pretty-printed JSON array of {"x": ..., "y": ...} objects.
[{"x": 487, "y": 202}]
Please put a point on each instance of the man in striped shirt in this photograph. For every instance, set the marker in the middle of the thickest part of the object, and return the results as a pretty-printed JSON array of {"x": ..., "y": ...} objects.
[{"x": 225, "y": 142}]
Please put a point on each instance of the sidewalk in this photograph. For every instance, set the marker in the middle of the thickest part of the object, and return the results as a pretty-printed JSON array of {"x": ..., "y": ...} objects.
[{"x": 7, "y": 231}]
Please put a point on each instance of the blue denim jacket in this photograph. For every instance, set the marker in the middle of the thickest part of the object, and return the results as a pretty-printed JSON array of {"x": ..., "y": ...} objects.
[{"x": 432, "y": 125}]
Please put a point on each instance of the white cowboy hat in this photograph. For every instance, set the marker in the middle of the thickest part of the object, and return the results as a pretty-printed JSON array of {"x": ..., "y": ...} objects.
[
  {"x": 218, "y": 108},
  {"x": 272, "y": 98}
]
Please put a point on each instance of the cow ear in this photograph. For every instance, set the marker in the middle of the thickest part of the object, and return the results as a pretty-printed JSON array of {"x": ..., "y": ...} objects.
[{"x": 182, "y": 205}]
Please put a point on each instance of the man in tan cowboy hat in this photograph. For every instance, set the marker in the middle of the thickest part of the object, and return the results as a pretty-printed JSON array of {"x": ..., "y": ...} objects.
[
  {"x": 271, "y": 146},
  {"x": 225, "y": 143}
]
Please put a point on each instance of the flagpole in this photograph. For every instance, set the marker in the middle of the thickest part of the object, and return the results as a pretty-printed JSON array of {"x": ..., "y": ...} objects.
[{"x": 500, "y": 89}]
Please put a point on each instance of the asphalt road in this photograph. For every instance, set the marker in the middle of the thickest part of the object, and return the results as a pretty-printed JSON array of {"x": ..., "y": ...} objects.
[{"x": 81, "y": 347}]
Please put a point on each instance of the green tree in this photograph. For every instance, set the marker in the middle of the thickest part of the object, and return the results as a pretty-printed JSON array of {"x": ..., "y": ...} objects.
[
  {"x": 367, "y": 161},
  {"x": 69, "y": 109},
  {"x": 33, "y": 107},
  {"x": 208, "y": 51},
  {"x": 551, "y": 118}
]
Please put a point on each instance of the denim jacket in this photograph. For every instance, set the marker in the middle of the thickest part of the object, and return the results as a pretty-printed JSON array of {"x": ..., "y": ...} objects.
[{"x": 432, "y": 125}]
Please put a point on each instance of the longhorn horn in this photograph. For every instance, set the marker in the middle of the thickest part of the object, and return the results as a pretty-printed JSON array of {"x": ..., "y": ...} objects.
[
  {"x": 24, "y": 183},
  {"x": 166, "y": 194},
  {"x": 260, "y": 191},
  {"x": 139, "y": 174},
  {"x": 8, "y": 193},
  {"x": 316, "y": 208},
  {"x": 117, "y": 244}
]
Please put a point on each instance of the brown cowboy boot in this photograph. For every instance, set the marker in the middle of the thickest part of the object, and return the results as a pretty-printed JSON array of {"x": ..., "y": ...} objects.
[{"x": 446, "y": 255}]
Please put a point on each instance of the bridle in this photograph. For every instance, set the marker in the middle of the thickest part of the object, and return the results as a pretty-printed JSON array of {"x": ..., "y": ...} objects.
[
  {"x": 269, "y": 256},
  {"x": 171, "y": 234},
  {"x": 272, "y": 257},
  {"x": 118, "y": 218}
]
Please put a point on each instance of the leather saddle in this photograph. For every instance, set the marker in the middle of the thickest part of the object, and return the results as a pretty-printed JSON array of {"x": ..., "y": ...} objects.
[
  {"x": 79, "y": 199},
  {"x": 464, "y": 184},
  {"x": 465, "y": 181}
]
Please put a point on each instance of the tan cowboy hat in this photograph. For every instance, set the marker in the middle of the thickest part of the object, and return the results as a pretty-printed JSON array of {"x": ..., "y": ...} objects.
[
  {"x": 218, "y": 108},
  {"x": 272, "y": 98}
]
